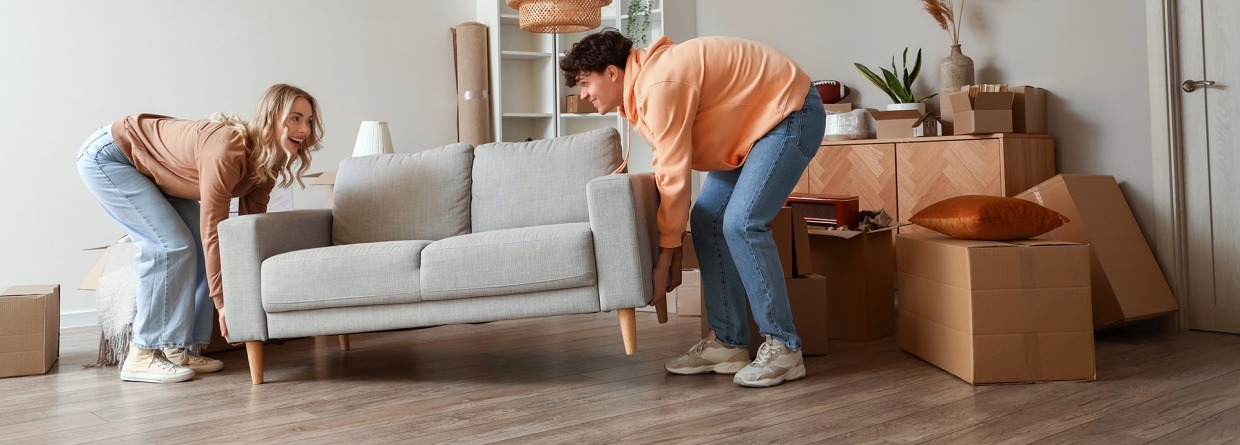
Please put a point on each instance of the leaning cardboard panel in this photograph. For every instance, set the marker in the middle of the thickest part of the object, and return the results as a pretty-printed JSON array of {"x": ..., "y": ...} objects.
[
  {"x": 29, "y": 329},
  {"x": 1127, "y": 283},
  {"x": 996, "y": 312}
]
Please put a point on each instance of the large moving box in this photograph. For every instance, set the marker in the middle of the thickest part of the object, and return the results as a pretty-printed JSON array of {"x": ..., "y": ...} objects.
[
  {"x": 1127, "y": 283},
  {"x": 29, "y": 329},
  {"x": 996, "y": 312}
]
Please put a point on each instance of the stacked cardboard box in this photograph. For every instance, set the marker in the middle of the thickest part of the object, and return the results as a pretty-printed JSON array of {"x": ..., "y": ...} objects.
[
  {"x": 996, "y": 312},
  {"x": 29, "y": 329},
  {"x": 806, "y": 290},
  {"x": 1126, "y": 280}
]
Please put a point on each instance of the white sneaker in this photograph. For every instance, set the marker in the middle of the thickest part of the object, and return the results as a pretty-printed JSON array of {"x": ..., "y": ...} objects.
[
  {"x": 198, "y": 363},
  {"x": 148, "y": 365},
  {"x": 708, "y": 355},
  {"x": 774, "y": 364}
]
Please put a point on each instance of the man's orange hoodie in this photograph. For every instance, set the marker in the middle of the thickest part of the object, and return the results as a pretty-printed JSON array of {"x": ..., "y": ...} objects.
[{"x": 701, "y": 105}]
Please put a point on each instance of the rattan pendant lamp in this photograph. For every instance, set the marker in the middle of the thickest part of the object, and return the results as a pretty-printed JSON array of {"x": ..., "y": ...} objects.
[{"x": 558, "y": 16}]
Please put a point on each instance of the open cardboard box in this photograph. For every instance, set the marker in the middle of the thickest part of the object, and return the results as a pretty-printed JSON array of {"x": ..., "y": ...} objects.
[
  {"x": 894, "y": 124},
  {"x": 996, "y": 312},
  {"x": 1127, "y": 283},
  {"x": 29, "y": 329},
  {"x": 988, "y": 112},
  {"x": 859, "y": 268}
]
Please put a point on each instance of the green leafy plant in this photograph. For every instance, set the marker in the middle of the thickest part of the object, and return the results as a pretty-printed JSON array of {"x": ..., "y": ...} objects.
[
  {"x": 900, "y": 89},
  {"x": 638, "y": 22}
]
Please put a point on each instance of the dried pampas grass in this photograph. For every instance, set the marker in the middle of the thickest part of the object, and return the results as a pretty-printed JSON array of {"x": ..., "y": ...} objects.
[{"x": 948, "y": 17}]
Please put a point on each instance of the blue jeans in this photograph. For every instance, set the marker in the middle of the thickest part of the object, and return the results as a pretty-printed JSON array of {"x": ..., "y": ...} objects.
[
  {"x": 173, "y": 308},
  {"x": 730, "y": 233}
]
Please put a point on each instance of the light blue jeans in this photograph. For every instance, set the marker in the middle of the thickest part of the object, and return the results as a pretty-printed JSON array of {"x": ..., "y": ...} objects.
[
  {"x": 730, "y": 233},
  {"x": 173, "y": 308}
]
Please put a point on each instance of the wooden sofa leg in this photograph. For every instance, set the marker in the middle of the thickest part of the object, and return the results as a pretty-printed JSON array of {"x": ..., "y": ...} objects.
[
  {"x": 344, "y": 342},
  {"x": 254, "y": 352},
  {"x": 628, "y": 329}
]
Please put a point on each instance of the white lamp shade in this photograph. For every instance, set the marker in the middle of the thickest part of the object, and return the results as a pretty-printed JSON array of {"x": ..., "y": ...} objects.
[{"x": 373, "y": 139}]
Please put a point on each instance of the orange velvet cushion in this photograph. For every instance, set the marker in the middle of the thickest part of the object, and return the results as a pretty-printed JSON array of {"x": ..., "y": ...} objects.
[{"x": 991, "y": 218}]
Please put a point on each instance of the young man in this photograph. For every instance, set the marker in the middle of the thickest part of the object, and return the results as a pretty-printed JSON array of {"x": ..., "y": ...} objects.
[{"x": 747, "y": 114}]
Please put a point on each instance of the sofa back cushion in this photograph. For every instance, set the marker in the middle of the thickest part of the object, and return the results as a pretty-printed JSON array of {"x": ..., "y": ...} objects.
[
  {"x": 523, "y": 184},
  {"x": 407, "y": 196}
]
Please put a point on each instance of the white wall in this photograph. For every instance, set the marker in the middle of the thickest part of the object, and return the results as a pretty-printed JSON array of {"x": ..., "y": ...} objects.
[
  {"x": 1090, "y": 55},
  {"x": 69, "y": 67}
]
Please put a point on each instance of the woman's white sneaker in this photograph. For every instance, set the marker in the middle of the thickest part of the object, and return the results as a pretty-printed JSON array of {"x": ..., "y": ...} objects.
[
  {"x": 774, "y": 364},
  {"x": 198, "y": 363},
  {"x": 149, "y": 365}
]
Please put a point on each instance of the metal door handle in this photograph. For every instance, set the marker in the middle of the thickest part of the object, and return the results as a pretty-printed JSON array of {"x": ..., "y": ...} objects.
[{"x": 1192, "y": 85}]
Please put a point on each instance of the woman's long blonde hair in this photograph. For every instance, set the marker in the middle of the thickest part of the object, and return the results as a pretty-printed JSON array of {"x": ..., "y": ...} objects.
[{"x": 268, "y": 158}]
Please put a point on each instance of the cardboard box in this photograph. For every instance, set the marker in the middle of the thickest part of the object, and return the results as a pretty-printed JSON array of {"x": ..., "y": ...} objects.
[
  {"x": 689, "y": 294},
  {"x": 859, "y": 268},
  {"x": 326, "y": 179},
  {"x": 838, "y": 108},
  {"x": 988, "y": 112},
  {"x": 29, "y": 329},
  {"x": 688, "y": 254},
  {"x": 807, "y": 296},
  {"x": 996, "y": 312},
  {"x": 1029, "y": 110},
  {"x": 574, "y": 104},
  {"x": 1127, "y": 283},
  {"x": 791, "y": 235},
  {"x": 894, "y": 124}
]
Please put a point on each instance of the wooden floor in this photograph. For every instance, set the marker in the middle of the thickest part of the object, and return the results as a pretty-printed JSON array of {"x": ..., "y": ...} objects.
[{"x": 567, "y": 380}]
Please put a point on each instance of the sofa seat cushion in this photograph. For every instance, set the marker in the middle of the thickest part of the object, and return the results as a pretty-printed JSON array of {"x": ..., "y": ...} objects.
[
  {"x": 342, "y": 276},
  {"x": 509, "y": 261}
]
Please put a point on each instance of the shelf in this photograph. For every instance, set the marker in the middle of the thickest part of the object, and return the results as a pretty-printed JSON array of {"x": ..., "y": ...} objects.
[
  {"x": 525, "y": 55},
  {"x": 527, "y": 115},
  {"x": 611, "y": 115},
  {"x": 509, "y": 19}
]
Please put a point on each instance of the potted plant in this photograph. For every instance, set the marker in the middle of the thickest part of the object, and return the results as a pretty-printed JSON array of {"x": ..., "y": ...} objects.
[{"x": 900, "y": 89}]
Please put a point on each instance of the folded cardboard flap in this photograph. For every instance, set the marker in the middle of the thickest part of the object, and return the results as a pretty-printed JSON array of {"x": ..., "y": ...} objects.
[{"x": 29, "y": 329}]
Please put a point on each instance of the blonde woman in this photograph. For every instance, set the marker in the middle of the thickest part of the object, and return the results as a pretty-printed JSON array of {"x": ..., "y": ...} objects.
[{"x": 168, "y": 183}]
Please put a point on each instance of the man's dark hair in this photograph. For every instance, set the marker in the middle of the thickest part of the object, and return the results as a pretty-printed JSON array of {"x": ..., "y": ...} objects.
[{"x": 594, "y": 52}]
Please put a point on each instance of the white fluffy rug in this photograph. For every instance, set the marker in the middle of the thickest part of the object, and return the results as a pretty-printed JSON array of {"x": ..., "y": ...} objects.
[{"x": 115, "y": 300}]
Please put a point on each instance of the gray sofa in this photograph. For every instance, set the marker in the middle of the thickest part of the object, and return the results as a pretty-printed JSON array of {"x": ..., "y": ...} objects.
[{"x": 448, "y": 235}]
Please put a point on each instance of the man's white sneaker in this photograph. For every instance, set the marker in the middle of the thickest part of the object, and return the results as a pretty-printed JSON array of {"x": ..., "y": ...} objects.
[
  {"x": 149, "y": 365},
  {"x": 708, "y": 355},
  {"x": 774, "y": 364},
  {"x": 198, "y": 363}
]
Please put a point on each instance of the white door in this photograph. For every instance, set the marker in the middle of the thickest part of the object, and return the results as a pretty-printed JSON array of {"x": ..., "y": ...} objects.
[{"x": 1209, "y": 38}]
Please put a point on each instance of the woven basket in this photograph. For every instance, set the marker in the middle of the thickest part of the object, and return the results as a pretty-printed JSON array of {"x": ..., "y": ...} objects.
[{"x": 558, "y": 16}]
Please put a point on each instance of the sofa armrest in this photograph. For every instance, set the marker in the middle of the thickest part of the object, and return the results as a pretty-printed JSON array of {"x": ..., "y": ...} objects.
[
  {"x": 622, "y": 218},
  {"x": 245, "y": 242}
]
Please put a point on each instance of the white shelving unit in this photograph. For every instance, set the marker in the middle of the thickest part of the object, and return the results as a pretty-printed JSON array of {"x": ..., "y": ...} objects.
[{"x": 528, "y": 88}]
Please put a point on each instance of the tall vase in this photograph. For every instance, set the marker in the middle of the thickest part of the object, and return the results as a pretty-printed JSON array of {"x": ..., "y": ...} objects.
[{"x": 955, "y": 71}]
